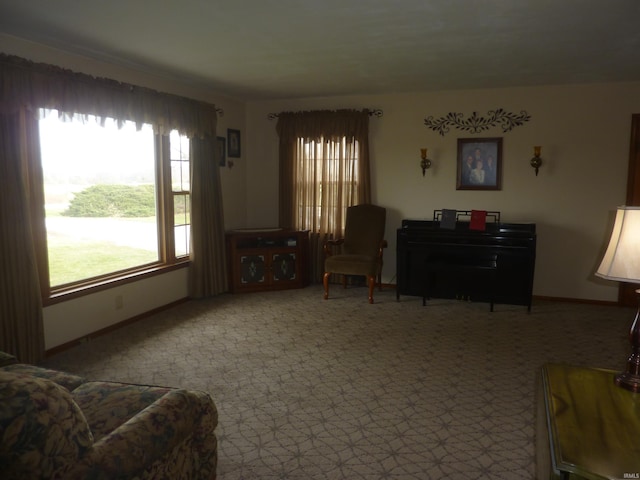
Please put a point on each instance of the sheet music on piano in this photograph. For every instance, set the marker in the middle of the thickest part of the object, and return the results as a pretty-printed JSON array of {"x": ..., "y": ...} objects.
[
  {"x": 478, "y": 220},
  {"x": 448, "y": 219},
  {"x": 438, "y": 214}
]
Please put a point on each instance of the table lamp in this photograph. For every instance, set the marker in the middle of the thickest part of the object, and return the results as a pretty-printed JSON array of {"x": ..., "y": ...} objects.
[{"x": 621, "y": 262}]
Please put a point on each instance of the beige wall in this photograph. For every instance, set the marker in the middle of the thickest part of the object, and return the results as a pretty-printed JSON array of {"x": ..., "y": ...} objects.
[
  {"x": 583, "y": 130},
  {"x": 584, "y": 134},
  {"x": 71, "y": 320}
]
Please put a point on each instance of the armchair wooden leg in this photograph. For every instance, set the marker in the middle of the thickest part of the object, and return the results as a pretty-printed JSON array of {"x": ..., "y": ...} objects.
[
  {"x": 325, "y": 282},
  {"x": 371, "y": 279}
]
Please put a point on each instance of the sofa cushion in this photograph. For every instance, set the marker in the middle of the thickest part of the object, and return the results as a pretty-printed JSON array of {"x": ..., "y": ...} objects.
[{"x": 42, "y": 430}]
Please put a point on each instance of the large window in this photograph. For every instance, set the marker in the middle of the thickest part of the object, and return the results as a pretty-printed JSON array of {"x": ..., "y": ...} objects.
[{"x": 111, "y": 210}]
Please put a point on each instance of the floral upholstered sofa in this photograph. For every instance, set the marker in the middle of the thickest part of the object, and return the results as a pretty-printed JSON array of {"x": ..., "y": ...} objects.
[{"x": 54, "y": 425}]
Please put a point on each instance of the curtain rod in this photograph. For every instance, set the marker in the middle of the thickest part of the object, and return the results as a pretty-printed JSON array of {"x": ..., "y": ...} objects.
[{"x": 376, "y": 112}]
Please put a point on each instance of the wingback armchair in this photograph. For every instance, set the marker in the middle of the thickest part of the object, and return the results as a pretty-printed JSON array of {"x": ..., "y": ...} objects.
[{"x": 360, "y": 251}]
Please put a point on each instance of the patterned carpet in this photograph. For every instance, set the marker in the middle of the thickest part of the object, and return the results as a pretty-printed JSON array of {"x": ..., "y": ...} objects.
[{"x": 340, "y": 389}]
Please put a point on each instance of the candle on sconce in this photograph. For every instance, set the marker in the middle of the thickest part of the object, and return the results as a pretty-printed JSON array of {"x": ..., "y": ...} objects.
[
  {"x": 536, "y": 161},
  {"x": 425, "y": 163}
]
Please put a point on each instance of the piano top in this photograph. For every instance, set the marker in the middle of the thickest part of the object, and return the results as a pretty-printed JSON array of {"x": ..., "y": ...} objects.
[{"x": 431, "y": 227}]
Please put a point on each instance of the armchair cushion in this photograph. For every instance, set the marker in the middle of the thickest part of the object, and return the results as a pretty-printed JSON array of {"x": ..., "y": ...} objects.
[
  {"x": 351, "y": 264},
  {"x": 364, "y": 230}
]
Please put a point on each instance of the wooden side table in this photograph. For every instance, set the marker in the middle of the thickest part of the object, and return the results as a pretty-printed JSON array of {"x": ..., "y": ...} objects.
[{"x": 588, "y": 428}]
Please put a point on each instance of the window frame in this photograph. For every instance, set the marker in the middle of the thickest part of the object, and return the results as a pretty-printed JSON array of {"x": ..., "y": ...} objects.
[{"x": 182, "y": 193}]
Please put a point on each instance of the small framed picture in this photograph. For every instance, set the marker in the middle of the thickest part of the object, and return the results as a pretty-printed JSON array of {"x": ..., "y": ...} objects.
[
  {"x": 479, "y": 164},
  {"x": 233, "y": 143},
  {"x": 222, "y": 154}
]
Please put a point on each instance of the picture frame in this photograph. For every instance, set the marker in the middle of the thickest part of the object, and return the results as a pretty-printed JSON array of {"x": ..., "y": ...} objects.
[
  {"x": 479, "y": 164},
  {"x": 233, "y": 143},
  {"x": 222, "y": 156}
]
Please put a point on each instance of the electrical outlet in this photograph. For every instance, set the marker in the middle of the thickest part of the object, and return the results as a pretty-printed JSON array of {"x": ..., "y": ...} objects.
[{"x": 119, "y": 302}]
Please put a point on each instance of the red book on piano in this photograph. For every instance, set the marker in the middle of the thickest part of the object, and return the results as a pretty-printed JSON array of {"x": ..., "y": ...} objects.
[{"x": 478, "y": 220}]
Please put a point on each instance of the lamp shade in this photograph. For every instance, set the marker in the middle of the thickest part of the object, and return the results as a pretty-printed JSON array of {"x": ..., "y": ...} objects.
[{"x": 621, "y": 261}]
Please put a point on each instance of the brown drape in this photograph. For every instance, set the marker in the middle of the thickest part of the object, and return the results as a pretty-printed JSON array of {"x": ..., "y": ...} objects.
[
  {"x": 323, "y": 169},
  {"x": 207, "y": 271},
  {"x": 21, "y": 325},
  {"x": 29, "y": 86},
  {"x": 37, "y": 85}
]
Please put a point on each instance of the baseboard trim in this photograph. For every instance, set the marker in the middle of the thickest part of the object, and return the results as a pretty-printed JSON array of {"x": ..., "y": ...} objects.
[
  {"x": 546, "y": 298},
  {"x": 110, "y": 328},
  {"x": 576, "y": 300}
]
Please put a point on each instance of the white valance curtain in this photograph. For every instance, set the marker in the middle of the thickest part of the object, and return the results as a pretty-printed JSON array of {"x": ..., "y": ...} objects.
[{"x": 25, "y": 87}]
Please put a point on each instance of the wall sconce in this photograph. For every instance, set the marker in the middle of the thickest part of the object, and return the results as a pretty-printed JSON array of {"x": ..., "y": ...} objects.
[
  {"x": 425, "y": 162},
  {"x": 536, "y": 161}
]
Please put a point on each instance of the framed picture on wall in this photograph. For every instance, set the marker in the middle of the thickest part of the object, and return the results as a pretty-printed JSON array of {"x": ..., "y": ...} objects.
[
  {"x": 479, "y": 164},
  {"x": 233, "y": 142},
  {"x": 222, "y": 154}
]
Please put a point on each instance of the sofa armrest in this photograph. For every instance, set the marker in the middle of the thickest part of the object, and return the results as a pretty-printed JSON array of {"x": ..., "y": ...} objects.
[{"x": 145, "y": 438}]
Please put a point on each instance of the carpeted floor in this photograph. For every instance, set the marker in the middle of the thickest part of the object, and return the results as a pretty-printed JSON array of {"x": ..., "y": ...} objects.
[{"x": 340, "y": 389}]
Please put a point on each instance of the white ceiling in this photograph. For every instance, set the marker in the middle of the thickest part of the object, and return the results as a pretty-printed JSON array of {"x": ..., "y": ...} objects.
[{"x": 265, "y": 49}]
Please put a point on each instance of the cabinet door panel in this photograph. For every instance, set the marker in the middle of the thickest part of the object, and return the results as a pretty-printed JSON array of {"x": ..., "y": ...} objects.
[
  {"x": 283, "y": 266},
  {"x": 252, "y": 269}
]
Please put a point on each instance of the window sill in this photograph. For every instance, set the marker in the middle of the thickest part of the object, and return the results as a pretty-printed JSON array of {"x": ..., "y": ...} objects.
[{"x": 59, "y": 295}]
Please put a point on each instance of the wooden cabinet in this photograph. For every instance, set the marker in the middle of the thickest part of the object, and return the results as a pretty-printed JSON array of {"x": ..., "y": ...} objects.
[{"x": 267, "y": 259}]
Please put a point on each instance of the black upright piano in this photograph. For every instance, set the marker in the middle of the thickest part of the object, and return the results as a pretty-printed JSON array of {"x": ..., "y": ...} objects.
[{"x": 495, "y": 265}]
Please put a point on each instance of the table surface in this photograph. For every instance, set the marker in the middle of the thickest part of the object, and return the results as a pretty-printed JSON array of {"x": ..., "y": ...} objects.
[{"x": 594, "y": 424}]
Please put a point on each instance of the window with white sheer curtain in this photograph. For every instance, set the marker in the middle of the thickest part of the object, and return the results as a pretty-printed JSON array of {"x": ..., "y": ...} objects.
[
  {"x": 327, "y": 180},
  {"x": 324, "y": 168}
]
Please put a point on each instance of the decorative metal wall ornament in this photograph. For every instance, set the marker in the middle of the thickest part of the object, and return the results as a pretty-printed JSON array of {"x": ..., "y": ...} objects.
[{"x": 475, "y": 124}]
